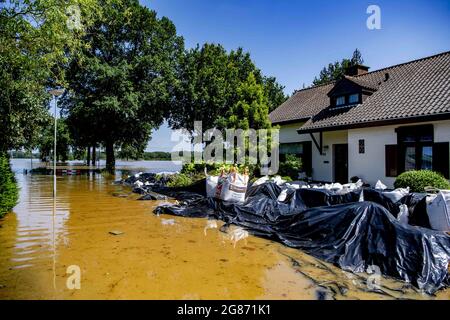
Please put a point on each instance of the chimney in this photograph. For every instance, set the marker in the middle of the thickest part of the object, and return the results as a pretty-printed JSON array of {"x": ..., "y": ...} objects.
[{"x": 356, "y": 70}]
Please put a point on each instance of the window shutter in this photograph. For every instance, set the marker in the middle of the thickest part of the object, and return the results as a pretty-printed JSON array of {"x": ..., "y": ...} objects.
[
  {"x": 441, "y": 158},
  {"x": 391, "y": 154}
]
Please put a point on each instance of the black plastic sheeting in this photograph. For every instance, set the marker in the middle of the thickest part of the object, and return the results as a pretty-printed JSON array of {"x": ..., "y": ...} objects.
[{"x": 334, "y": 227}]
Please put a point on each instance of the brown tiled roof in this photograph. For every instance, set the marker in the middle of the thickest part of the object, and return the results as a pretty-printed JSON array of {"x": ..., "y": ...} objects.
[
  {"x": 414, "y": 89},
  {"x": 303, "y": 104},
  {"x": 363, "y": 82}
]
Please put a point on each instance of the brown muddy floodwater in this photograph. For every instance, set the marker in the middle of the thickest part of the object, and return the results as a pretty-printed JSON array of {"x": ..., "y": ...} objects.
[{"x": 152, "y": 259}]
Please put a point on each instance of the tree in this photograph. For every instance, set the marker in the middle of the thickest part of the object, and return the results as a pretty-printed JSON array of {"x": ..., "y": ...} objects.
[
  {"x": 34, "y": 41},
  {"x": 47, "y": 140},
  {"x": 251, "y": 109},
  {"x": 357, "y": 58},
  {"x": 274, "y": 93},
  {"x": 209, "y": 81},
  {"x": 123, "y": 86},
  {"x": 336, "y": 70},
  {"x": 203, "y": 93}
]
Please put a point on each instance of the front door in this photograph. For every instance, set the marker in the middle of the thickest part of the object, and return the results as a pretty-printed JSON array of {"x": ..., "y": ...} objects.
[{"x": 340, "y": 163}]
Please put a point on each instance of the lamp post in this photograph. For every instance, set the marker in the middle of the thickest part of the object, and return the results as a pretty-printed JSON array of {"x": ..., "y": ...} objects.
[{"x": 55, "y": 93}]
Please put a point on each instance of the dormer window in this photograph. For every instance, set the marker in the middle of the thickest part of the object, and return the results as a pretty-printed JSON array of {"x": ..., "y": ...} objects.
[
  {"x": 353, "y": 98},
  {"x": 340, "y": 101}
]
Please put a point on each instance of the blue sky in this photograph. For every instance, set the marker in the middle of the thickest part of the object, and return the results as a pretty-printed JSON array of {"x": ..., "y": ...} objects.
[{"x": 293, "y": 40}]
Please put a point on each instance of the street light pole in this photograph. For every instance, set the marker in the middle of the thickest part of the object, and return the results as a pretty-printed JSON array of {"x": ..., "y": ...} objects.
[
  {"x": 54, "y": 148},
  {"x": 55, "y": 93}
]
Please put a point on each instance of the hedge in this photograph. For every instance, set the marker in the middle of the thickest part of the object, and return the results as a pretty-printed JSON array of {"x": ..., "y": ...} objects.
[
  {"x": 418, "y": 180},
  {"x": 8, "y": 186}
]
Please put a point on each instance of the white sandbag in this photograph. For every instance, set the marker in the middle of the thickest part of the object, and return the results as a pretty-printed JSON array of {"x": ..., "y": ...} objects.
[
  {"x": 396, "y": 194},
  {"x": 261, "y": 181},
  {"x": 438, "y": 211},
  {"x": 353, "y": 186},
  {"x": 234, "y": 188},
  {"x": 211, "y": 186},
  {"x": 359, "y": 183},
  {"x": 294, "y": 185},
  {"x": 380, "y": 185},
  {"x": 334, "y": 186},
  {"x": 403, "y": 215},
  {"x": 283, "y": 195},
  {"x": 138, "y": 184},
  {"x": 278, "y": 180}
]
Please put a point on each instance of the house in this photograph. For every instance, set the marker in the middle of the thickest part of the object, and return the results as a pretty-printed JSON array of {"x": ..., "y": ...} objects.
[{"x": 373, "y": 125}]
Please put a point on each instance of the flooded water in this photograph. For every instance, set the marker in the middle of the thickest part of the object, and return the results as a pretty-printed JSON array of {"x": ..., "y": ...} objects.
[{"x": 152, "y": 257}]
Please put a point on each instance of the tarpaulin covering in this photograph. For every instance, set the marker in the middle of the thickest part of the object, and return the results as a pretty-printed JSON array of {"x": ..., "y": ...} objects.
[{"x": 338, "y": 228}]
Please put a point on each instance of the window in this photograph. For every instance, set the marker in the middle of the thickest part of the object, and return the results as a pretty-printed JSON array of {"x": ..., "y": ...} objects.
[
  {"x": 415, "y": 147},
  {"x": 427, "y": 157},
  {"x": 416, "y": 150},
  {"x": 291, "y": 148},
  {"x": 353, "y": 98},
  {"x": 362, "y": 147},
  {"x": 410, "y": 158},
  {"x": 340, "y": 101},
  {"x": 303, "y": 150}
]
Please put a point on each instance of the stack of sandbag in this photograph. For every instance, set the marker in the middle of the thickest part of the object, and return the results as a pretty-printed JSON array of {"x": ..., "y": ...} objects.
[{"x": 438, "y": 210}]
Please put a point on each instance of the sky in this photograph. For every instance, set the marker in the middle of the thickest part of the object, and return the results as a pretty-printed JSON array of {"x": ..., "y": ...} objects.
[{"x": 294, "y": 39}]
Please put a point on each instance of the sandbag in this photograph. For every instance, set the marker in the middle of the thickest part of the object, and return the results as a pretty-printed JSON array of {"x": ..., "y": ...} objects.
[
  {"x": 234, "y": 188},
  {"x": 403, "y": 216},
  {"x": 417, "y": 207},
  {"x": 379, "y": 197},
  {"x": 211, "y": 186},
  {"x": 397, "y": 194},
  {"x": 380, "y": 185},
  {"x": 438, "y": 210}
]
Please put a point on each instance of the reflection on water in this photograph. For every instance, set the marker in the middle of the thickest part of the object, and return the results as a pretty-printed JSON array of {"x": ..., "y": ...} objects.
[{"x": 151, "y": 258}]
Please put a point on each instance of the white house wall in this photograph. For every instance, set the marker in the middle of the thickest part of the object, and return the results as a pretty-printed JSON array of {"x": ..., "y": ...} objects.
[
  {"x": 288, "y": 133},
  {"x": 370, "y": 166},
  {"x": 322, "y": 164}
]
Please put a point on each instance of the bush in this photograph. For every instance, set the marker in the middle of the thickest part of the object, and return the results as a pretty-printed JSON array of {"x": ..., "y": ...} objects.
[
  {"x": 179, "y": 180},
  {"x": 291, "y": 167},
  {"x": 214, "y": 169},
  {"x": 417, "y": 181},
  {"x": 8, "y": 186}
]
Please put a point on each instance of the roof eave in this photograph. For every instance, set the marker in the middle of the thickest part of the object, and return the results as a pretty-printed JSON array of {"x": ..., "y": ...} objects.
[
  {"x": 284, "y": 122},
  {"x": 379, "y": 123}
]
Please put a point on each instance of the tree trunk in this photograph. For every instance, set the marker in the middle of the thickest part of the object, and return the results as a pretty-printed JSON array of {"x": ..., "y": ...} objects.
[
  {"x": 110, "y": 158},
  {"x": 94, "y": 155},
  {"x": 88, "y": 157}
]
